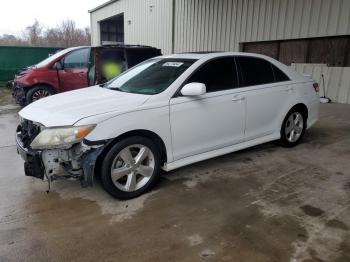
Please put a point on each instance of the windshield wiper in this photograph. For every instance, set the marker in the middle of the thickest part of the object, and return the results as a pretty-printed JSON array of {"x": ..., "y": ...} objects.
[
  {"x": 117, "y": 89},
  {"x": 112, "y": 88}
]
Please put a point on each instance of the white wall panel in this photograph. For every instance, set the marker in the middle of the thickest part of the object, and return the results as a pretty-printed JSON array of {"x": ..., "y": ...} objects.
[
  {"x": 336, "y": 80},
  {"x": 147, "y": 27},
  {"x": 223, "y": 24}
]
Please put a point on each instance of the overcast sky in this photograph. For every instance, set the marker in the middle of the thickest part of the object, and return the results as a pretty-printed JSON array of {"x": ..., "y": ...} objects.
[{"x": 17, "y": 14}]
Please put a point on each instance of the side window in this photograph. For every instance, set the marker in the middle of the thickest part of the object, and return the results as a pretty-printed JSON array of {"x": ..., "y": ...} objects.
[
  {"x": 77, "y": 59},
  {"x": 219, "y": 74},
  {"x": 255, "y": 71},
  {"x": 279, "y": 75}
]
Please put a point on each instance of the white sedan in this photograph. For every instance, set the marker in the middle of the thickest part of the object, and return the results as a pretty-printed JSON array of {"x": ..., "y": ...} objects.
[{"x": 165, "y": 113}]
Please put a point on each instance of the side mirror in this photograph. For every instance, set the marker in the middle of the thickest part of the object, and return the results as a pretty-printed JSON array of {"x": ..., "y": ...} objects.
[
  {"x": 194, "y": 89},
  {"x": 58, "y": 66}
]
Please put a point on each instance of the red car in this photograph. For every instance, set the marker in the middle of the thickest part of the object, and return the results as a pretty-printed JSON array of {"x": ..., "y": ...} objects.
[{"x": 75, "y": 68}]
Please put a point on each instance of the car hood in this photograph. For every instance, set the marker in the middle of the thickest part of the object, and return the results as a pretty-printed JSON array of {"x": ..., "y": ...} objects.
[{"x": 70, "y": 107}]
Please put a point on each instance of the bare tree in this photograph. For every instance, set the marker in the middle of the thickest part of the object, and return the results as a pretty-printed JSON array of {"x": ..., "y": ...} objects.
[
  {"x": 64, "y": 35},
  {"x": 33, "y": 33},
  {"x": 88, "y": 34},
  {"x": 11, "y": 40},
  {"x": 71, "y": 35},
  {"x": 53, "y": 37}
]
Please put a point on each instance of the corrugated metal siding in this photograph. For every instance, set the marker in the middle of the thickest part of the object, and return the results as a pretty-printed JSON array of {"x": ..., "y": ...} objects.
[
  {"x": 149, "y": 25},
  {"x": 336, "y": 80},
  {"x": 202, "y": 25}
]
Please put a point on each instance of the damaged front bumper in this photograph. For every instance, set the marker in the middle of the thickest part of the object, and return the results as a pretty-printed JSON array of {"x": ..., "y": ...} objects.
[
  {"x": 18, "y": 93},
  {"x": 32, "y": 160},
  {"x": 76, "y": 162}
]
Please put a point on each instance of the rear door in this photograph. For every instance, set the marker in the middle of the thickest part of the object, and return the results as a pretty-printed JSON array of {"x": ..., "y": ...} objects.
[
  {"x": 267, "y": 94},
  {"x": 210, "y": 121},
  {"x": 74, "y": 74}
]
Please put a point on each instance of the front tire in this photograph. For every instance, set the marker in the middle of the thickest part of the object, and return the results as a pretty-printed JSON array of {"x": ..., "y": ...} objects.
[
  {"x": 38, "y": 92},
  {"x": 293, "y": 128},
  {"x": 131, "y": 167}
]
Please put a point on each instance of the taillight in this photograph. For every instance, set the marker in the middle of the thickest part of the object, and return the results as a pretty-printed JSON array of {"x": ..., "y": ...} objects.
[{"x": 316, "y": 87}]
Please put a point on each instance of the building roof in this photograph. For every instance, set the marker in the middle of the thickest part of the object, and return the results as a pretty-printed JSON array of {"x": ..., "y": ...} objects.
[{"x": 103, "y": 5}]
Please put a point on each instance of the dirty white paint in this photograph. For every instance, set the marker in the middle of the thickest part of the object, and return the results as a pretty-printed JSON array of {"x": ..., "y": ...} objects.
[{"x": 335, "y": 81}]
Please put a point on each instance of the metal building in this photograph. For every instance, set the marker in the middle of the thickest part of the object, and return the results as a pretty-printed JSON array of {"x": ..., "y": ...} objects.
[{"x": 311, "y": 35}]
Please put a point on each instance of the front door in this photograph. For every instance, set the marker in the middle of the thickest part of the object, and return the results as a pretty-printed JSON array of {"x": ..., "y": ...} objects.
[
  {"x": 74, "y": 74},
  {"x": 210, "y": 121}
]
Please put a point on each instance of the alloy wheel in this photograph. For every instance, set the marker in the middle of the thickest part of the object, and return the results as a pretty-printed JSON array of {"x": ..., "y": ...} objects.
[
  {"x": 294, "y": 127},
  {"x": 132, "y": 168},
  {"x": 41, "y": 93}
]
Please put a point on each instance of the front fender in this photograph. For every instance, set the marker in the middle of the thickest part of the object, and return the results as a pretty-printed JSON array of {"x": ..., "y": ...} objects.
[{"x": 155, "y": 120}]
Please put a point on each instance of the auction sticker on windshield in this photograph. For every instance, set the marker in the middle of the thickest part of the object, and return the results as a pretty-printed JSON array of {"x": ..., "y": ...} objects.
[{"x": 173, "y": 64}]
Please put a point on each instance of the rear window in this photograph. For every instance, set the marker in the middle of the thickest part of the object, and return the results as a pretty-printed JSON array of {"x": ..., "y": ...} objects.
[
  {"x": 257, "y": 71},
  {"x": 279, "y": 75}
]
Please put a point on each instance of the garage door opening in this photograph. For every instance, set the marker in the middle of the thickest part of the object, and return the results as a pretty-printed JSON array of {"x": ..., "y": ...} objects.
[{"x": 112, "y": 30}]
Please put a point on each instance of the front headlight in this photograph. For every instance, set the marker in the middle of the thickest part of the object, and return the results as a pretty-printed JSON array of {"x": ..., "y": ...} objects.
[{"x": 60, "y": 137}]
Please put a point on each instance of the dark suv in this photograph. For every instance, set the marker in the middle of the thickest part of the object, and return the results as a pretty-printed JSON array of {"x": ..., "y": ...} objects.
[{"x": 75, "y": 68}]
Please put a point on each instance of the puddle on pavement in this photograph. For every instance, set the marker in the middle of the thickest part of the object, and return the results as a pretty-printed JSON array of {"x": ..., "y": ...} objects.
[
  {"x": 335, "y": 223},
  {"x": 312, "y": 211}
]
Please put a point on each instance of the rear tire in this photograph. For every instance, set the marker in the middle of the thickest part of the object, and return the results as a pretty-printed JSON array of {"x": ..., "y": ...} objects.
[
  {"x": 38, "y": 92},
  {"x": 293, "y": 128},
  {"x": 131, "y": 167}
]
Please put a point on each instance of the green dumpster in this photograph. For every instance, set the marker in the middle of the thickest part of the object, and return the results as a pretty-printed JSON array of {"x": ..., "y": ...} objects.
[{"x": 13, "y": 58}]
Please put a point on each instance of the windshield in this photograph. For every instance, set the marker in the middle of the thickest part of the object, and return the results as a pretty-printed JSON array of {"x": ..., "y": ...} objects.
[
  {"x": 150, "y": 77},
  {"x": 53, "y": 57}
]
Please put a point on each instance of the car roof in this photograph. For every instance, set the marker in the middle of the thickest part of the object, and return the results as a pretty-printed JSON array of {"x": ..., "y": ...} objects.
[
  {"x": 125, "y": 46},
  {"x": 77, "y": 47},
  {"x": 112, "y": 46},
  {"x": 207, "y": 54}
]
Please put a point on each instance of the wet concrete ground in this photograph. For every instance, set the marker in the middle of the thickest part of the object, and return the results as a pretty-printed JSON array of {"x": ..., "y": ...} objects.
[{"x": 262, "y": 204}]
